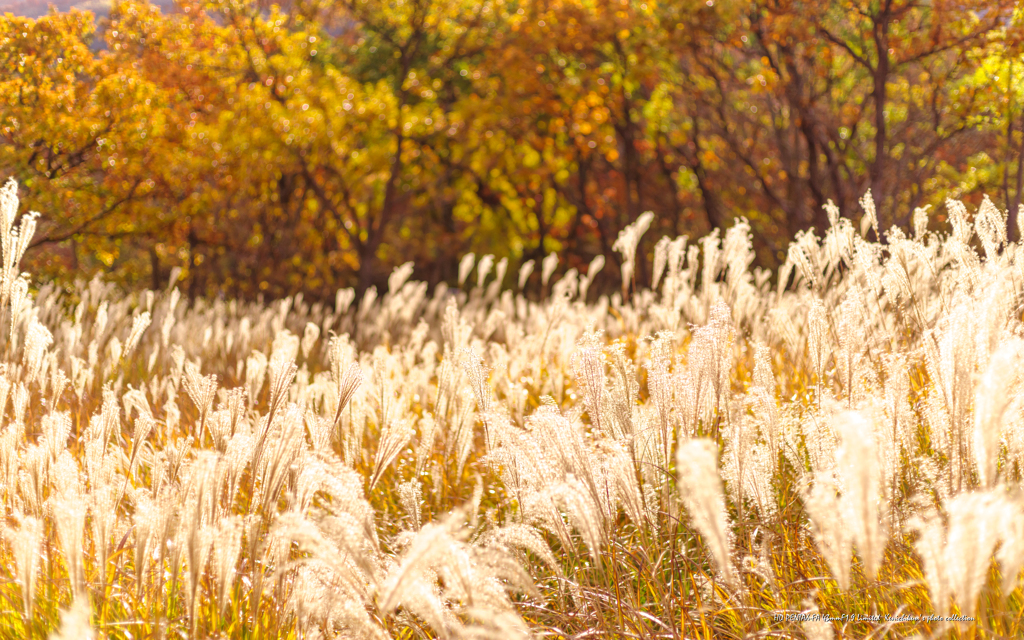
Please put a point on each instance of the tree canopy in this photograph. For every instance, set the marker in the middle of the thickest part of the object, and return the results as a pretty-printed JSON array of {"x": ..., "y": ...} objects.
[{"x": 251, "y": 148}]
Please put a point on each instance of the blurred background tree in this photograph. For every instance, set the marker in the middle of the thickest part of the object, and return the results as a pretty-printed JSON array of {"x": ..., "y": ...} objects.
[{"x": 246, "y": 148}]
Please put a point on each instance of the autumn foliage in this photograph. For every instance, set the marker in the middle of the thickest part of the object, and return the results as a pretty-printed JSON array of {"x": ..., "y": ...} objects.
[{"x": 244, "y": 148}]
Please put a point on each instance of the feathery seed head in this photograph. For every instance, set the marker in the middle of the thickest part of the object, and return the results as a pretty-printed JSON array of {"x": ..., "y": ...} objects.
[
  {"x": 701, "y": 491},
  {"x": 548, "y": 266},
  {"x": 139, "y": 325},
  {"x": 870, "y": 219},
  {"x": 465, "y": 267},
  {"x": 524, "y": 273}
]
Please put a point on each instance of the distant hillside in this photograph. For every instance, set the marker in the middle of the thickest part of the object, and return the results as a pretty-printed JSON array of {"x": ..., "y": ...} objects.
[{"x": 37, "y": 8}]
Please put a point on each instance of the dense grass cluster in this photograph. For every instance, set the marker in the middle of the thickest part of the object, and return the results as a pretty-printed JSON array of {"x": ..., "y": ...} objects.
[{"x": 705, "y": 458}]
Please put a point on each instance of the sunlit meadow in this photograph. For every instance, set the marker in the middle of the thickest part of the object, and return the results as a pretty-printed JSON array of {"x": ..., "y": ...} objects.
[{"x": 831, "y": 451}]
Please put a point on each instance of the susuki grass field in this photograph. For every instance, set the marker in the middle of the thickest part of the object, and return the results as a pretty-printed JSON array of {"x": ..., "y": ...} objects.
[{"x": 832, "y": 452}]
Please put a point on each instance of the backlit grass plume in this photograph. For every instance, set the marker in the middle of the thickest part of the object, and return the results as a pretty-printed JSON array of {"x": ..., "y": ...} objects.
[{"x": 700, "y": 458}]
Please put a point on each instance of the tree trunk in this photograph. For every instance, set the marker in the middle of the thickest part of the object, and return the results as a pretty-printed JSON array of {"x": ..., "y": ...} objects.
[
  {"x": 1012, "y": 219},
  {"x": 370, "y": 268},
  {"x": 156, "y": 281},
  {"x": 881, "y": 77}
]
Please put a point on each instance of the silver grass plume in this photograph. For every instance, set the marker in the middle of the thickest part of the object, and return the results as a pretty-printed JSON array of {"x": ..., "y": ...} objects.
[
  {"x": 956, "y": 555},
  {"x": 659, "y": 385},
  {"x": 743, "y": 460},
  {"x": 282, "y": 373},
  {"x": 465, "y": 267},
  {"x": 18, "y": 296},
  {"x": 103, "y": 504},
  {"x": 14, "y": 242},
  {"x": 227, "y": 544},
  {"x": 523, "y": 537},
  {"x": 139, "y": 325},
  {"x": 701, "y": 491},
  {"x": 8, "y": 212},
  {"x": 476, "y": 374},
  {"x": 149, "y": 531},
  {"x": 851, "y": 340},
  {"x": 960, "y": 220},
  {"x": 144, "y": 425},
  {"x": 630, "y": 490},
  {"x": 588, "y": 369},
  {"x": 1011, "y": 549},
  {"x": 331, "y": 581},
  {"x": 626, "y": 244},
  {"x": 76, "y": 622},
  {"x": 567, "y": 286},
  {"x": 865, "y": 264},
  {"x": 581, "y": 501},
  {"x": 661, "y": 249},
  {"x": 56, "y": 428},
  {"x": 997, "y": 399},
  {"x": 343, "y": 299},
  {"x": 25, "y": 540},
  {"x": 859, "y": 466},
  {"x": 990, "y": 225},
  {"x": 765, "y": 407},
  {"x": 678, "y": 280},
  {"x": 738, "y": 255},
  {"x": 783, "y": 329},
  {"x": 37, "y": 340},
  {"x": 20, "y": 399},
  {"x": 346, "y": 374},
  {"x": 201, "y": 390},
  {"x": 455, "y": 330},
  {"x": 710, "y": 359},
  {"x": 68, "y": 507},
  {"x": 405, "y": 584},
  {"x": 596, "y": 265},
  {"x": 399, "y": 277},
  {"x": 500, "y": 269},
  {"x": 831, "y": 534},
  {"x": 524, "y": 273},
  {"x": 234, "y": 404},
  {"x": 711, "y": 266},
  {"x": 428, "y": 430},
  {"x": 817, "y": 341},
  {"x": 320, "y": 430},
  {"x": 198, "y": 541},
  {"x": 832, "y": 211},
  {"x": 800, "y": 258},
  {"x": 483, "y": 269},
  {"x": 280, "y": 452},
  {"x": 101, "y": 318},
  {"x": 394, "y": 435},
  {"x": 815, "y": 626},
  {"x": 169, "y": 319},
  {"x": 309, "y": 337},
  {"x": 490, "y": 625},
  {"x": 870, "y": 219},
  {"x": 255, "y": 373},
  {"x": 839, "y": 241},
  {"x": 58, "y": 384},
  {"x": 897, "y": 433},
  {"x": 460, "y": 423},
  {"x": 410, "y": 495},
  {"x": 920, "y": 222}
]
